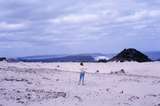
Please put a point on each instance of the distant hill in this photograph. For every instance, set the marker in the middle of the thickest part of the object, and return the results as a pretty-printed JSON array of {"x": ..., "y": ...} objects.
[
  {"x": 70, "y": 58},
  {"x": 131, "y": 54},
  {"x": 64, "y": 58}
]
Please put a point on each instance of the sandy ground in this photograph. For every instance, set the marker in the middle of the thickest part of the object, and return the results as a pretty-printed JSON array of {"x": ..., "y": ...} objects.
[{"x": 46, "y": 84}]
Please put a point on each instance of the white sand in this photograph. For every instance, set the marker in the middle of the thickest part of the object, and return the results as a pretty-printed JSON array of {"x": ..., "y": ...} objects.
[{"x": 45, "y": 84}]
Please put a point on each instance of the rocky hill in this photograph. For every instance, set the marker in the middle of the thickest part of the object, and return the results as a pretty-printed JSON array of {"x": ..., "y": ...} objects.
[{"x": 130, "y": 54}]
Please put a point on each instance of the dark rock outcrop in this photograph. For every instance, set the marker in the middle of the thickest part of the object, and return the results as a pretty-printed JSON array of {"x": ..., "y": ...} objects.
[
  {"x": 130, "y": 55},
  {"x": 102, "y": 60},
  {"x": 2, "y": 58}
]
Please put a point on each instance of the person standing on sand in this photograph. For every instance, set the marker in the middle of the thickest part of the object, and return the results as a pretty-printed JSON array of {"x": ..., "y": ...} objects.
[{"x": 82, "y": 74}]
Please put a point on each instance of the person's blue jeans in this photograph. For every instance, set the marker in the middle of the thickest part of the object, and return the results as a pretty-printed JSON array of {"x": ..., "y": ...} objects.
[{"x": 81, "y": 79}]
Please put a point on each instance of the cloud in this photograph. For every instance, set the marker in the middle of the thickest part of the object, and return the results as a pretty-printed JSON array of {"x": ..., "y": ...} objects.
[
  {"x": 154, "y": 13},
  {"x": 77, "y": 26},
  {"x": 76, "y": 18},
  {"x": 12, "y": 26},
  {"x": 135, "y": 17},
  {"x": 139, "y": 15}
]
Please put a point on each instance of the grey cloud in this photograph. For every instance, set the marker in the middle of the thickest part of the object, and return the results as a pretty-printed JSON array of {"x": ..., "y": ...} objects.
[{"x": 70, "y": 24}]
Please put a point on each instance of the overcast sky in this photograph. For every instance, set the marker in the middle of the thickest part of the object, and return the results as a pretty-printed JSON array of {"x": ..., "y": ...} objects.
[{"x": 35, "y": 27}]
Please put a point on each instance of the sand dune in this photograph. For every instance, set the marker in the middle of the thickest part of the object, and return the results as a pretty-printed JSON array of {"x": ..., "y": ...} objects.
[{"x": 55, "y": 84}]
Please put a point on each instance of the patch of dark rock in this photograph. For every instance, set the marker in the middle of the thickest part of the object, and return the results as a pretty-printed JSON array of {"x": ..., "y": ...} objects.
[
  {"x": 97, "y": 71},
  {"x": 21, "y": 102},
  {"x": 18, "y": 91},
  {"x": 30, "y": 95},
  {"x": 18, "y": 80},
  {"x": 119, "y": 72},
  {"x": 152, "y": 95},
  {"x": 45, "y": 78},
  {"x": 156, "y": 82},
  {"x": 57, "y": 70},
  {"x": 42, "y": 94},
  {"x": 107, "y": 89},
  {"x": 129, "y": 80},
  {"x": 121, "y": 92},
  {"x": 79, "y": 98},
  {"x": 30, "y": 70},
  {"x": 157, "y": 104},
  {"x": 18, "y": 99},
  {"x": 132, "y": 98},
  {"x": 57, "y": 79}
]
